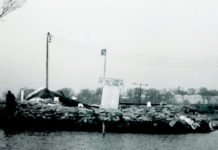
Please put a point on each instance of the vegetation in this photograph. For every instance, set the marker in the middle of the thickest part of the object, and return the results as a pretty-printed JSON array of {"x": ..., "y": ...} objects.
[
  {"x": 156, "y": 96},
  {"x": 66, "y": 92},
  {"x": 135, "y": 96},
  {"x": 7, "y": 6},
  {"x": 90, "y": 96},
  {"x": 182, "y": 92}
]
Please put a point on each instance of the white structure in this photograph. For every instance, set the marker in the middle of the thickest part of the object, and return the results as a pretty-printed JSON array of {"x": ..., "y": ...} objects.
[
  {"x": 80, "y": 105},
  {"x": 110, "y": 97},
  {"x": 21, "y": 94},
  {"x": 148, "y": 104},
  {"x": 74, "y": 98},
  {"x": 193, "y": 99},
  {"x": 111, "y": 93},
  {"x": 56, "y": 99}
]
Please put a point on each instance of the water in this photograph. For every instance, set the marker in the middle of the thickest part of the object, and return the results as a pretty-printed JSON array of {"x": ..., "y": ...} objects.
[{"x": 68, "y": 140}]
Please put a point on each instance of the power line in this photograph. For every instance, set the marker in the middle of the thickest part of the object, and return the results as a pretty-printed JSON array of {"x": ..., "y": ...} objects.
[
  {"x": 152, "y": 60},
  {"x": 153, "y": 63},
  {"x": 156, "y": 61},
  {"x": 145, "y": 56},
  {"x": 140, "y": 89},
  {"x": 159, "y": 57}
]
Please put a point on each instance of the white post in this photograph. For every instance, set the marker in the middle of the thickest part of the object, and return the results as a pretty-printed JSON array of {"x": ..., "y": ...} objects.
[
  {"x": 149, "y": 104},
  {"x": 21, "y": 94}
]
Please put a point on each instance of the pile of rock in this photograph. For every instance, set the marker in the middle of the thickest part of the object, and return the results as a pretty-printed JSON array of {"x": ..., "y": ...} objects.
[{"x": 168, "y": 118}]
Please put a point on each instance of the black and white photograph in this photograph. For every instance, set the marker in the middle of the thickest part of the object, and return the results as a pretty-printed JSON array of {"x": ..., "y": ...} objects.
[{"x": 108, "y": 74}]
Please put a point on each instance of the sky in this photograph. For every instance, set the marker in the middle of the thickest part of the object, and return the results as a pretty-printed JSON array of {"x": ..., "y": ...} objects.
[{"x": 165, "y": 44}]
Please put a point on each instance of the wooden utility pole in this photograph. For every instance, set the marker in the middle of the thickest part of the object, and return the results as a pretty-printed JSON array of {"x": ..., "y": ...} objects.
[
  {"x": 48, "y": 40},
  {"x": 140, "y": 89}
]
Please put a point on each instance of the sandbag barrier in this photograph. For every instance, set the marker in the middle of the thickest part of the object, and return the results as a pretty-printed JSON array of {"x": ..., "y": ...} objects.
[{"x": 160, "y": 119}]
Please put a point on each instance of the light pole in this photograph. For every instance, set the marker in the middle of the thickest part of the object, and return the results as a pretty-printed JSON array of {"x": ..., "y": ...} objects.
[
  {"x": 140, "y": 89},
  {"x": 48, "y": 40}
]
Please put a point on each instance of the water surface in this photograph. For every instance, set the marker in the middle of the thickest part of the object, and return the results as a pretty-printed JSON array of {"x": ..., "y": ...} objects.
[{"x": 67, "y": 140}]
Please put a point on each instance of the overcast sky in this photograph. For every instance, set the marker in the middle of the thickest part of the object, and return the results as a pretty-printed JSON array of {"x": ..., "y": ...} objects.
[{"x": 166, "y": 43}]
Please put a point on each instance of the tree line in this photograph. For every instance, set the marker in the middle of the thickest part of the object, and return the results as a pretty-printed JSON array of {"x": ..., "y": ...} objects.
[
  {"x": 157, "y": 96},
  {"x": 136, "y": 95}
]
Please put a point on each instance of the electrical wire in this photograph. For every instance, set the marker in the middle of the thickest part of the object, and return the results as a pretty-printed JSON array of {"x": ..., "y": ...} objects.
[
  {"x": 154, "y": 62},
  {"x": 142, "y": 59}
]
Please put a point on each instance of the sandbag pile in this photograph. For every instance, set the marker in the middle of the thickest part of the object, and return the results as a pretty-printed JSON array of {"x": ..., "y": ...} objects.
[{"x": 168, "y": 118}]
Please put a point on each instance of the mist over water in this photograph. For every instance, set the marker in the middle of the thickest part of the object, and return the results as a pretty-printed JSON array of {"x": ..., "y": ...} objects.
[{"x": 67, "y": 140}]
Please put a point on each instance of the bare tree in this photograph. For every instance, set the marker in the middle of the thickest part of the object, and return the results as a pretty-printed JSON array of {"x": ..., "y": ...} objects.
[
  {"x": 6, "y": 6},
  {"x": 207, "y": 94},
  {"x": 182, "y": 92},
  {"x": 191, "y": 91}
]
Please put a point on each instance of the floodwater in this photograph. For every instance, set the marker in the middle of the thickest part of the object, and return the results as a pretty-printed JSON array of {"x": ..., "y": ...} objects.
[{"x": 69, "y": 140}]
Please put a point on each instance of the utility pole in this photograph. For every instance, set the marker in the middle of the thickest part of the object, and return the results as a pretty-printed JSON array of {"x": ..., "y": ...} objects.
[
  {"x": 104, "y": 53},
  {"x": 48, "y": 40},
  {"x": 140, "y": 89}
]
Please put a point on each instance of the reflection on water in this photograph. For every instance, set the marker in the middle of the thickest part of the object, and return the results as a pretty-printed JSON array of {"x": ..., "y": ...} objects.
[{"x": 67, "y": 140}]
